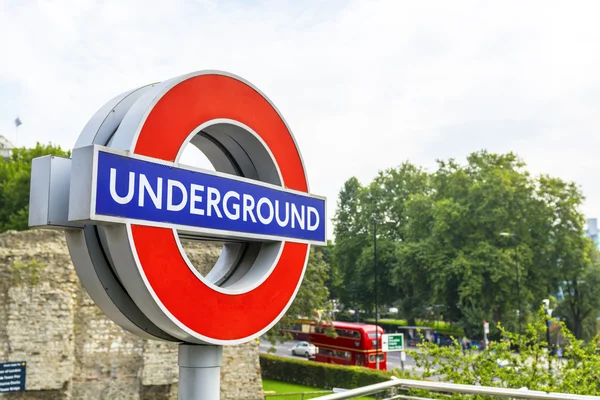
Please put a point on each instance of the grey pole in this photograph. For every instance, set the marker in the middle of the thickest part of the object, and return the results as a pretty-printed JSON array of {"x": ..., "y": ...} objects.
[
  {"x": 485, "y": 338},
  {"x": 519, "y": 310},
  {"x": 376, "y": 293},
  {"x": 199, "y": 371},
  {"x": 518, "y": 281}
]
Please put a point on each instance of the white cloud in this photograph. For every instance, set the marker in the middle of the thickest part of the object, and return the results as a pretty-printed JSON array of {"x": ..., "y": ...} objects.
[{"x": 363, "y": 84}]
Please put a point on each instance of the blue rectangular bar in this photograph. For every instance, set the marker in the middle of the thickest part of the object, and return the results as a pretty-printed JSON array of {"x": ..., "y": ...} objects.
[{"x": 145, "y": 192}]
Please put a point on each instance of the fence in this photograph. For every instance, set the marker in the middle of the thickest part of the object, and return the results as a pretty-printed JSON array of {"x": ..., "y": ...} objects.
[{"x": 442, "y": 387}]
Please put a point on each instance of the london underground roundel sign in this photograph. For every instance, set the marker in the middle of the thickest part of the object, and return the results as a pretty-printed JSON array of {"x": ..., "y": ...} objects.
[{"x": 127, "y": 182}]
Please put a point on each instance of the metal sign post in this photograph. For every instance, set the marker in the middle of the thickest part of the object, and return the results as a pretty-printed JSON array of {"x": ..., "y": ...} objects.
[
  {"x": 199, "y": 371},
  {"x": 124, "y": 199},
  {"x": 486, "y": 331}
]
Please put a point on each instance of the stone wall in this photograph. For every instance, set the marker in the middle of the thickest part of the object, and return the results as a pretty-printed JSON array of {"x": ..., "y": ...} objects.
[{"x": 72, "y": 350}]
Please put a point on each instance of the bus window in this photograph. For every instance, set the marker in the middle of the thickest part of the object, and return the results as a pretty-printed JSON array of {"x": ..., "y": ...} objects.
[
  {"x": 341, "y": 354},
  {"x": 372, "y": 357},
  {"x": 360, "y": 359},
  {"x": 348, "y": 333},
  {"x": 325, "y": 352}
]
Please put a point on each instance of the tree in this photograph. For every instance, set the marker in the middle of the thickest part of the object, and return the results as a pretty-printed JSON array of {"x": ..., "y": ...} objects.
[
  {"x": 452, "y": 235},
  {"x": 411, "y": 280},
  {"x": 386, "y": 259},
  {"x": 327, "y": 254},
  {"x": 576, "y": 269},
  {"x": 383, "y": 202},
  {"x": 313, "y": 295},
  {"x": 351, "y": 236},
  {"x": 581, "y": 286},
  {"x": 439, "y": 235},
  {"x": 15, "y": 176}
]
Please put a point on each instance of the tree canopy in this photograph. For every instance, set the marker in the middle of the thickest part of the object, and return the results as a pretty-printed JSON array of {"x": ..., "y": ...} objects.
[
  {"x": 483, "y": 240},
  {"x": 312, "y": 296},
  {"x": 15, "y": 176}
]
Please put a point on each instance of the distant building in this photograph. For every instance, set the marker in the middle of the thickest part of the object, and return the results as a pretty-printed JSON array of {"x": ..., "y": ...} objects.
[
  {"x": 5, "y": 147},
  {"x": 591, "y": 231}
]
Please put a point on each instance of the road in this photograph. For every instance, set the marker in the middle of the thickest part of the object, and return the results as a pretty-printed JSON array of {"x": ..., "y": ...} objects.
[{"x": 285, "y": 350}]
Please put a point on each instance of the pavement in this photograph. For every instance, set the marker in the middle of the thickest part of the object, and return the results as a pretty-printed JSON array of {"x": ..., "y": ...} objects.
[{"x": 285, "y": 350}]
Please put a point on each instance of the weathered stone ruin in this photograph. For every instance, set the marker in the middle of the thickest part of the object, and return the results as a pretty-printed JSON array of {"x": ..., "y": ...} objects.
[{"x": 72, "y": 350}]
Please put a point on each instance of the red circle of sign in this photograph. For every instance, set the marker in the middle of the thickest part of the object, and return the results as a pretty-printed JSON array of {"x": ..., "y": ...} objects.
[{"x": 212, "y": 314}]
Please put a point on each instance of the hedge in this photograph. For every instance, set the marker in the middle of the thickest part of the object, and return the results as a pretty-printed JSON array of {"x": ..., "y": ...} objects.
[
  {"x": 445, "y": 328},
  {"x": 317, "y": 374}
]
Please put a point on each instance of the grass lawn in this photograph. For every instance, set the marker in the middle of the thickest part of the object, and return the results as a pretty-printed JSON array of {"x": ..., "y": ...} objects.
[{"x": 284, "y": 387}]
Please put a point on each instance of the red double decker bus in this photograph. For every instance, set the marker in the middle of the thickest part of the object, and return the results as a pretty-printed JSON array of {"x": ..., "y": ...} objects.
[
  {"x": 355, "y": 344},
  {"x": 301, "y": 328}
]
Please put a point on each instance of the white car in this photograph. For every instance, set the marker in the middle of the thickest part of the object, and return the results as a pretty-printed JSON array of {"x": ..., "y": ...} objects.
[{"x": 304, "y": 349}]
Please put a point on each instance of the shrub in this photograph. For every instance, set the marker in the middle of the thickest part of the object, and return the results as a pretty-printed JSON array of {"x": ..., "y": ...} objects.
[
  {"x": 316, "y": 374},
  {"x": 518, "y": 360},
  {"x": 444, "y": 328}
]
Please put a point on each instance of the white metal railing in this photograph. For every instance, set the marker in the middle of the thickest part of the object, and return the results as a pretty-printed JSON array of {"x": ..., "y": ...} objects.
[
  {"x": 454, "y": 388},
  {"x": 405, "y": 397}
]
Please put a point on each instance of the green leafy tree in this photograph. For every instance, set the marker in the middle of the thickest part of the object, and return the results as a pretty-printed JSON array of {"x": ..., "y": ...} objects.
[
  {"x": 15, "y": 176},
  {"x": 411, "y": 279},
  {"x": 381, "y": 203},
  {"x": 351, "y": 236},
  {"x": 312, "y": 296},
  {"x": 575, "y": 259},
  {"x": 386, "y": 259},
  {"x": 580, "y": 288},
  {"x": 333, "y": 279},
  {"x": 452, "y": 248},
  {"x": 440, "y": 240}
]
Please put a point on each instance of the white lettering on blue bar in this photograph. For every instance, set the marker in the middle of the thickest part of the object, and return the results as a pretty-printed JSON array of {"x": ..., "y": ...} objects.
[
  {"x": 141, "y": 190},
  {"x": 214, "y": 205}
]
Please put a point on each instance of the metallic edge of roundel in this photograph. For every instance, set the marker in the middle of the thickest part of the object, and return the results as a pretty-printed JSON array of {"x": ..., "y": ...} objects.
[
  {"x": 149, "y": 100},
  {"x": 119, "y": 236},
  {"x": 90, "y": 258},
  {"x": 255, "y": 161}
]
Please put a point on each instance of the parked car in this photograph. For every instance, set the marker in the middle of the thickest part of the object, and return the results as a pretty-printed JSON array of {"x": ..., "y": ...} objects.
[{"x": 304, "y": 349}]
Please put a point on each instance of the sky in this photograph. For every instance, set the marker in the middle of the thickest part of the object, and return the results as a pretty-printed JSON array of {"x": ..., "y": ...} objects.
[{"x": 364, "y": 85}]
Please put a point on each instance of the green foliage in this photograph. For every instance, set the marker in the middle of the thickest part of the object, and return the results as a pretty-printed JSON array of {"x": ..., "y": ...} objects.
[
  {"x": 442, "y": 327},
  {"x": 351, "y": 237},
  {"x": 581, "y": 301},
  {"x": 15, "y": 175},
  {"x": 312, "y": 296},
  {"x": 26, "y": 274},
  {"x": 316, "y": 374},
  {"x": 577, "y": 372},
  {"x": 439, "y": 244},
  {"x": 382, "y": 202}
]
